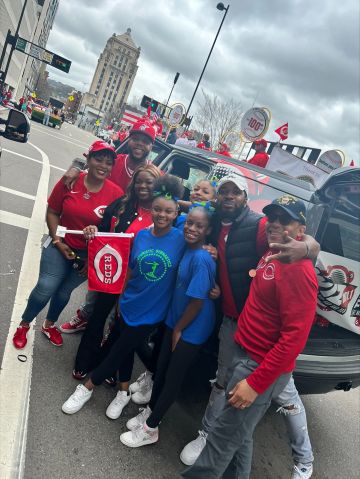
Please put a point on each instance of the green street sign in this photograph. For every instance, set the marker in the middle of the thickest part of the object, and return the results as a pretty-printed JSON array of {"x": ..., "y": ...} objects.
[{"x": 20, "y": 44}]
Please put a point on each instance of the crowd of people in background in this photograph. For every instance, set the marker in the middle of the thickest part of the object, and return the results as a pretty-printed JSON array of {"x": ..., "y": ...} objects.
[{"x": 184, "y": 257}]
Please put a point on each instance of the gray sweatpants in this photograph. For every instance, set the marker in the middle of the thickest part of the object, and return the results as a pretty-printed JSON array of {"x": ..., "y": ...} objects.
[
  {"x": 295, "y": 418},
  {"x": 229, "y": 445}
]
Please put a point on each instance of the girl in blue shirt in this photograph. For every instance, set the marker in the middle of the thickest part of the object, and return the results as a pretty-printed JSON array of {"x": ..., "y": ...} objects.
[
  {"x": 189, "y": 323},
  {"x": 153, "y": 264}
]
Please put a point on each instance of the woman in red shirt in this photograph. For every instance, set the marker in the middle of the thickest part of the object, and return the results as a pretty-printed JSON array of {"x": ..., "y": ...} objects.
[{"x": 63, "y": 261}]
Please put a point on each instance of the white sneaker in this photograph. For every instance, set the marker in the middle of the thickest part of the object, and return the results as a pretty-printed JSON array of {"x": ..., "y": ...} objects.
[
  {"x": 193, "y": 450},
  {"x": 77, "y": 400},
  {"x": 140, "y": 437},
  {"x": 116, "y": 406},
  {"x": 301, "y": 471},
  {"x": 140, "y": 419},
  {"x": 143, "y": 381},
  {"x": 144, "y": 395}
]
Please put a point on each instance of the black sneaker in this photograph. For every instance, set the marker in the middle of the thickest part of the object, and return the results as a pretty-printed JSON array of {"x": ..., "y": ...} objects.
[{"x": 111, "y": 381}]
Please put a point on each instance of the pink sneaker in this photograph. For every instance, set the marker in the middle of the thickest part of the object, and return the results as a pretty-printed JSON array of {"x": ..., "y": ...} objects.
[
  {"x": 76, "y": 323},
  {"x": 53, "y": 334}
]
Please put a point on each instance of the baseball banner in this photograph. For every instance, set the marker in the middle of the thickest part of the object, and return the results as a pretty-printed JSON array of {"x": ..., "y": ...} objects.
[
  {"x": 283, "y": 131},
  {"x": 108, "y": 258}
]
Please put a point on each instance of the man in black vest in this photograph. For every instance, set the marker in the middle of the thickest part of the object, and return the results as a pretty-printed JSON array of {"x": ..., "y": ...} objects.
[{"x": 239, "y": 235}]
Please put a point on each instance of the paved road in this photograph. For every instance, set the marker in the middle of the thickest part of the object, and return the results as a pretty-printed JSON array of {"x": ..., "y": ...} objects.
[{"x": 87, "y": 444}]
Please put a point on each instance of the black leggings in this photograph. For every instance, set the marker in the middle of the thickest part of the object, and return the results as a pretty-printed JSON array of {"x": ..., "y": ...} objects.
[
  {"x": 170, "y": 373},
  {"x": 89, "y": 354},
  {"x": 121, "y": 355}
]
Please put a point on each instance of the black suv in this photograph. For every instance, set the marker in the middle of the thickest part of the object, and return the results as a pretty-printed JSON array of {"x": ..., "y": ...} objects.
[{"x": 331, "y": 358}]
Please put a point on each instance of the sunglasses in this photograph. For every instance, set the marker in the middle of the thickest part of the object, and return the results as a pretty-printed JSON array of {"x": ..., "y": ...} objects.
[{"x": 283, "y": 219}]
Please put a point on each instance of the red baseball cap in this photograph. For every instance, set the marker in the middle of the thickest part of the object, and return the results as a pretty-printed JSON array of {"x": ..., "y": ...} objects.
[
  {"x": 145, "y": 128},
  {"x": 261, "y": 142},
  {"x": 225, "y": 146},
  {"x": 100, "y": 145}
]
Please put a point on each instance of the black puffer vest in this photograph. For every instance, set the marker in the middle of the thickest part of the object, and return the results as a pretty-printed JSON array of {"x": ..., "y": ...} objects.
[{"x": 241, "y": 253}]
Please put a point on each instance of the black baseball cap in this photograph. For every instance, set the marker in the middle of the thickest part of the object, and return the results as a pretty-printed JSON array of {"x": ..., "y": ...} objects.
[{"x": 294, "y": 207}]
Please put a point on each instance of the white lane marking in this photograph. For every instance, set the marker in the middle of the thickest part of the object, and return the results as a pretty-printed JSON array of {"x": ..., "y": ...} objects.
[
  {"x": 61, "y": 137},
  {"x": 32, "y": 159},
  {"x": 13, "y": 219},
  {"x": 17, "y": 193},
  {"x": 15, "y": 376}
]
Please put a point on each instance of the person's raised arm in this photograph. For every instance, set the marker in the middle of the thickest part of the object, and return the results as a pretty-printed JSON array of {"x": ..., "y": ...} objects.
[{"x": 73, "y": 172}]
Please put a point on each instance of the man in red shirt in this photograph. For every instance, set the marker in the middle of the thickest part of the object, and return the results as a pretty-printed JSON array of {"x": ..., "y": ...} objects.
[
  {"x": 272, "y": 330},
  {"x": 261, "y": 157},
  {"x": 141, "y": 139},
  {"x": 224, "y": 150}
]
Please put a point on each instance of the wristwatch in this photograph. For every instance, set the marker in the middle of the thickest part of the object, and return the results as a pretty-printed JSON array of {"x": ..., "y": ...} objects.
[{"x": 79, "y": 164}]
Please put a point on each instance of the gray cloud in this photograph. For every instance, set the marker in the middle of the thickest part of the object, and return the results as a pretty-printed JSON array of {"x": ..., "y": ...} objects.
[{"x": 300, "y": 58}]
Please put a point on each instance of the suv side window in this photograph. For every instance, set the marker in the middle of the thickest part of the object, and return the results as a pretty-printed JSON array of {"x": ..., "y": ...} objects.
[{"x": 342, "y": 232}]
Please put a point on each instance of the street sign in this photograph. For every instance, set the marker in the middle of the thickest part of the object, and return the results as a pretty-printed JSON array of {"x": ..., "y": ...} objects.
[
  {"x": 71, "y": 98},
  {"x": 43, "y": 55},
  {"x": 21, "y": 44}
]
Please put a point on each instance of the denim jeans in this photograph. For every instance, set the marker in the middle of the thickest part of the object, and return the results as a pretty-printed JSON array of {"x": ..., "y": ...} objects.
[
  {"x": 229, "y": 445},
  {"x": 295, "y": 419},
  {"x": 57, "y": 280},
  {"x": 46, "y": 120}
]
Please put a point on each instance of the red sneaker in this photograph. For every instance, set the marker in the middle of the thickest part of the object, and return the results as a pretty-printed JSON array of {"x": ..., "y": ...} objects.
[
  {"x": 53, "y": 334},
  {"x": 76, "y": 323},
  {"x": 19, "y": 339}
]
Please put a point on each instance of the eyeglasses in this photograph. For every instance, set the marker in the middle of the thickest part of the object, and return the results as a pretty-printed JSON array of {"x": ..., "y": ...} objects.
[{"x": 283, "y": 219}]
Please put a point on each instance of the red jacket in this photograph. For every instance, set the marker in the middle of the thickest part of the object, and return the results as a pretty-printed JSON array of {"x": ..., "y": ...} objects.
[{"x": 259, "y": 159}]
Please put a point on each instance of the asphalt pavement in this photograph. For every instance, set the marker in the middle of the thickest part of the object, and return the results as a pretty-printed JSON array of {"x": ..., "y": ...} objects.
[{"x": 87, "y": 444}]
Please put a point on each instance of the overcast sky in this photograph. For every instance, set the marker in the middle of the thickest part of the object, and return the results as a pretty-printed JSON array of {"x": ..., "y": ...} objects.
[{"x": 299, "y": 58}]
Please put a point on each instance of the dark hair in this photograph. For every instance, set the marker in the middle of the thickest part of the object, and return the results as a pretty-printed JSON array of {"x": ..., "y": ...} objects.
[
  {"x": 207, "y": 210},
  {"x": 211, "y": 184},
  {"x": 96, "y": 154},
  {"x": 169, "y": 187},
  {"x": 130, "y": 196}
]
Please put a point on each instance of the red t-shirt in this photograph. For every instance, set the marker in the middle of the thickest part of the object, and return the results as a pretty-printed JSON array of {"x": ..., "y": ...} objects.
[
  {"x": 259, "y": 159},
  {"x": 223, "y": 153},
  {"x": 228, "y": 302},
  {"x": 121, "y": 174},
  {"x": 275, "y": 322},
  {"x": 76, "y": 211}
]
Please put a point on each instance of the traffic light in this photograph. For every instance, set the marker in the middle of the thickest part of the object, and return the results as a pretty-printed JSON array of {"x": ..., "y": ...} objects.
[
  {"x": 60, "y": 63},
  {"x": 147, "y": 101}
]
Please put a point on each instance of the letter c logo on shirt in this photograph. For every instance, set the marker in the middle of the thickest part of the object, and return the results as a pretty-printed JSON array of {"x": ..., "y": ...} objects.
[{"x": 99, "y": 211}]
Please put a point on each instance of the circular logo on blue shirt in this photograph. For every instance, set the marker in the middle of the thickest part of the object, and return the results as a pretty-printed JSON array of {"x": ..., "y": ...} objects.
[{"x": 153, "y": 264}]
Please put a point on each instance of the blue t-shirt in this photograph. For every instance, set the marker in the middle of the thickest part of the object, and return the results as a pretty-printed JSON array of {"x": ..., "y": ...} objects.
[
  {"x": 180, "y": 221},
  {"x": 154, "y": 262},
  {"x": 195, "y": 278}
]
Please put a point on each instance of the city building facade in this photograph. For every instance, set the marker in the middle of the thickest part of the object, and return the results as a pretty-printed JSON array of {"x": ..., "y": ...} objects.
[
  {"x": 72, "y": 105},
  {"x": 35, "y": 27},
  {"x": 113, "y": 79}
]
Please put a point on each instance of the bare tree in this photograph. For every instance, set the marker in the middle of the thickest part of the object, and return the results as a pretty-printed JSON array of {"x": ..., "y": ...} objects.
[{"x": 217, "y": 117}]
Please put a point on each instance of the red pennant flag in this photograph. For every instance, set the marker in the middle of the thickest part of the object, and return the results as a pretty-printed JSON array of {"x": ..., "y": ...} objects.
[
  {"x": 352, "y": 163},
  {"x": 148, "y": 111},
  {"x": 108, "y": 258},
  {"x": 282, "y": 131}
]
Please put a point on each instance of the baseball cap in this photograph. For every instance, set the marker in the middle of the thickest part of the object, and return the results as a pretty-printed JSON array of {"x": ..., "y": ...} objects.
[
  {"x": 291, "y": 205},
  {"x": 236, "y": 179},
  {"x": 100, "y": 145},
  {"x": 145, "y": 128},
  {"x": 261, "y": 142},
  {"x": 225, "y": 146}
]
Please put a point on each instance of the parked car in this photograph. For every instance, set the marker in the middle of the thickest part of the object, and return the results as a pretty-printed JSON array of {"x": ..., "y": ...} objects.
[
  {"x": 17, "y": 126},
  {"x": 331, "y": 358}
]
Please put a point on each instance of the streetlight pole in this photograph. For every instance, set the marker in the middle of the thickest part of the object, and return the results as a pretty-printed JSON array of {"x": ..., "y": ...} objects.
[
  {"x": 221, "y": 7},
  {"x": 167, "y": 101}
]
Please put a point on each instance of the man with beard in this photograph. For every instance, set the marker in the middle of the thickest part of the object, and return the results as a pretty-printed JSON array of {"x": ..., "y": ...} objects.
[
  {"x": 240, "y": 237},
  {"x": 271, "y": 331},
  {"x": 141, "y": 139}
]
